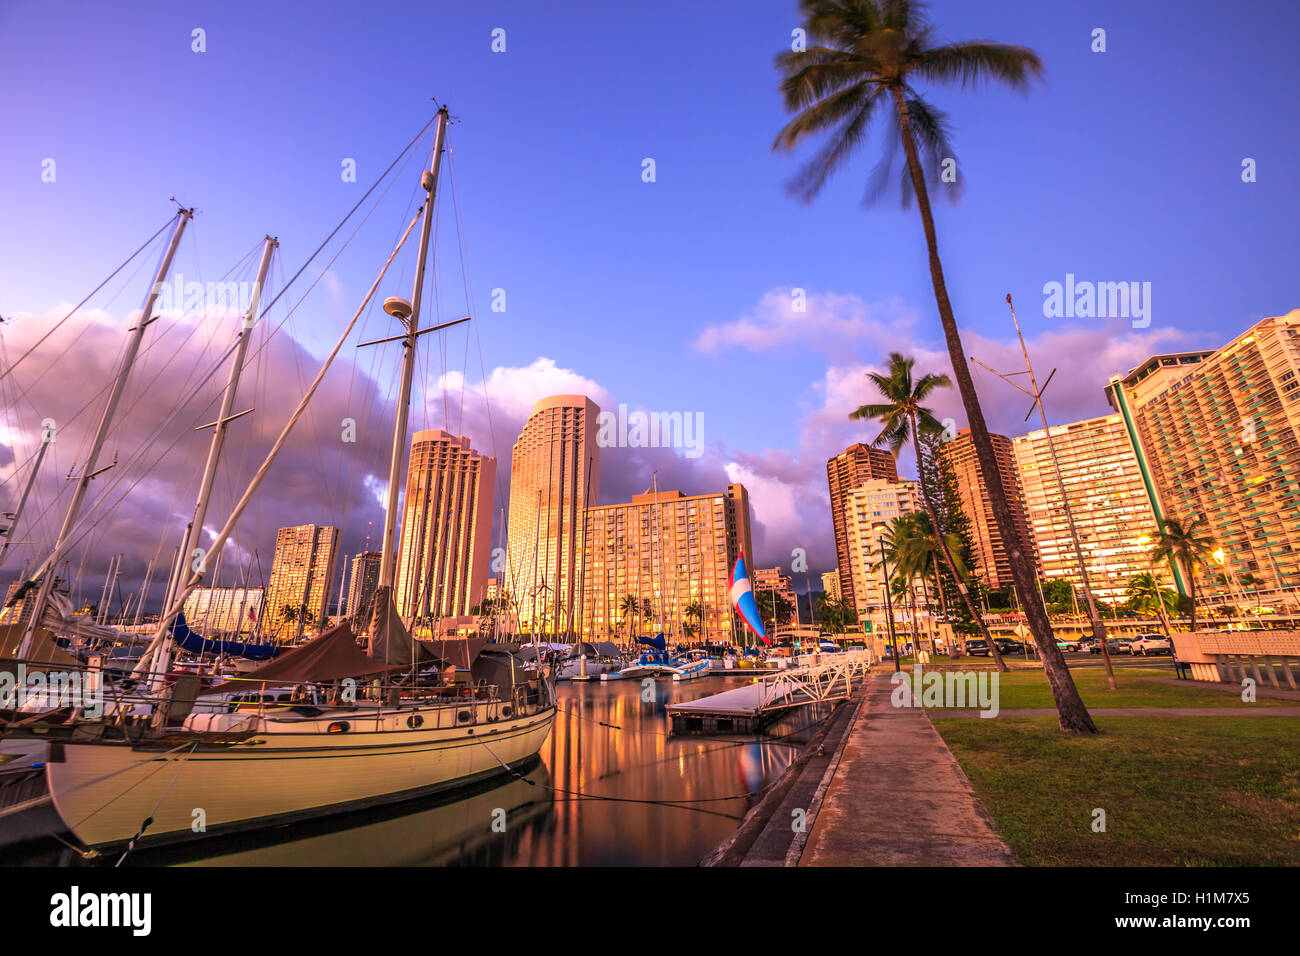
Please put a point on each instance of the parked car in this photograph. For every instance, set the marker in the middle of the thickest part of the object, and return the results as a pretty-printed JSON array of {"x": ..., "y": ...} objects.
[
  {"x": 1007, "y": 645},
  {"x": 1065, "y": 644},
  {"x": 978, "y": 647},
  {"x": 1145, "y": 644},
  {"x": 1117, "y": 645}
]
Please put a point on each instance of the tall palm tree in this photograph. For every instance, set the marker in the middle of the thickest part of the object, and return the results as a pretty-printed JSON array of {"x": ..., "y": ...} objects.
[
  {"x": 1185, "y": 544},
  {"x": 901, "y": 544},
  {"x": 863, "y": 59},
  {"x": 693, "y": 614},
  {"x": 629, "y": 607},
  {"x": 931, "y": 546},
  {"x": 1146, "y": 595},
  {"x": 902, "y": 418}
]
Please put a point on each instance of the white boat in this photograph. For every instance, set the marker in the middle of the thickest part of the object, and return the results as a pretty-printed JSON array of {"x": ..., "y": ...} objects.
[
  {"x": 591, "y": 661},
  {"x": 687, "y": 666},
  {"x": 691, "y": 665},
  {"x": 174, "y": 770},
  {"x": 224, "y": 772}
]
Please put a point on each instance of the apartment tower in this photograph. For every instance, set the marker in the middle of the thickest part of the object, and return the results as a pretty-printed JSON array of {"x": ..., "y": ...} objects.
[
  {"x": 992, "y": 555},
  {"x": 554, "y": 474},
  {"x": 302, "y": 570},
  {"x": 442, "y": 560},
  {"x": 850, "y": 469}
]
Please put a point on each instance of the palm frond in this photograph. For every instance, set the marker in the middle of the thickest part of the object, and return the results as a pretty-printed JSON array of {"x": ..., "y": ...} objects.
[{"x": 980, "y": 61}]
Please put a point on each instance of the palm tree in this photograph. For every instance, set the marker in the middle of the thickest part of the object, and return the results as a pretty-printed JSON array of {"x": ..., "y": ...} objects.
[
  {"x": 629, "y": 607},
  {"x": 1184, "y": 544},
  {"x": 863, "y": 59},
  {"x": 693, "y": 612},
  {"x": 903, "y": 417},
  {"x": 1146, "y": 595}
]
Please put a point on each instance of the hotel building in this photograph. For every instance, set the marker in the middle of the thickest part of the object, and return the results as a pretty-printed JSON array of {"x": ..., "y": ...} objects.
[
  {"x": 301, "y": 573},
  {"x": 361, "y": 589},
  {"x": 849, "y": 469},
  {"x": 229, "y": 611},
  {"x": 442, "y": 560},
  {"x": 831, "y": 585},
  {"x": 868, "y": 510},
  {"x": 554, "y": 475},
  {"x": 1107, "y": 499},
  {"x": 1217, "y": 434},
  {"x": 765, "y": 581},
  {"x": 671, "y": 549},
  {"x": 992, "y": 555}
]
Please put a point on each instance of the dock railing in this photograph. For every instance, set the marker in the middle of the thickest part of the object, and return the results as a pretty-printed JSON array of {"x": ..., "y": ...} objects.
[{"x": 830, "y": 679}]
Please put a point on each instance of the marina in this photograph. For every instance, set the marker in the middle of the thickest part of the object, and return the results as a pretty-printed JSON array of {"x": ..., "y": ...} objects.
[{"x": 612, "y": 786}]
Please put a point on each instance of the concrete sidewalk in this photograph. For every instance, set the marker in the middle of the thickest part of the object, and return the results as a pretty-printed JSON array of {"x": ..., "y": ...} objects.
[{"x": 899, "y": 797}]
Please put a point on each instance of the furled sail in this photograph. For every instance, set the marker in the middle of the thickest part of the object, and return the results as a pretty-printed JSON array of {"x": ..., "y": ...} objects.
[
  {"x": 196, "y": 643},
  {"x": 389, "y": 639}
]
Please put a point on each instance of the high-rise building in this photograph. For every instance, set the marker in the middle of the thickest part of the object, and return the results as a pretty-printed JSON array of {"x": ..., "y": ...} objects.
[
  {"x": 831, "y": 585},
  {"x": 768, "y": 581},
  {"x": 549, "y": 488},
  {"x": 669, "y": 549},
  {"x": 361, "y": 588},
  {"x": 302, "y": 572},
  {"x": 442, "y": 560},
  {"x": 849, "y": 469},
  {"x": 992, "y": 555},
  {"x": 868, "y": 511},
  {"x": 229, "y": 611},
  {"x": 1217, "y": 434},
  {"x": 1108, "y": 501}
]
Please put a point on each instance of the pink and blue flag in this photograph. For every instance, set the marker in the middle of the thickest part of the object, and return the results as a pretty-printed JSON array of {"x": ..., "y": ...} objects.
[{"x": 742, "y": 598}]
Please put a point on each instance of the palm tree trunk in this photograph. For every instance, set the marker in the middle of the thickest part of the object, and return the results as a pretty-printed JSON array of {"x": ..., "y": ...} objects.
[
  {"x": 943, "y": 606},
  {"x": 1191, "y": 586},
  {"x": 947, "y": 558},
  {"x": 1072, "y": 714}
]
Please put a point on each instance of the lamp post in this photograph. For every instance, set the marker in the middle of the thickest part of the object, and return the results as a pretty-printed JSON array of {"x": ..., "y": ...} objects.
[{"x": 889, "y": 607}]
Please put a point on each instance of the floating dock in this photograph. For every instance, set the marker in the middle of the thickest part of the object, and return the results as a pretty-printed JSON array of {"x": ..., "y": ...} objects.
[{"x": 744, "y": 710}]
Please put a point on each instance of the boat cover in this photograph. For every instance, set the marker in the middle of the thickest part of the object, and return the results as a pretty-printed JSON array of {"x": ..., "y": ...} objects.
[
  {"x": 194, "y": 642},
  {"x": 44, "y": 648},
  {"x": 457, "y": 651},
  {"x": 331, "y": 656},
  {"x": 658, "y": 642}
]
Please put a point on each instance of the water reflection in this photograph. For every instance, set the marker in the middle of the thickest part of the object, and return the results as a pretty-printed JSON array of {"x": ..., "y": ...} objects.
[{"x": 612, "y": 787}]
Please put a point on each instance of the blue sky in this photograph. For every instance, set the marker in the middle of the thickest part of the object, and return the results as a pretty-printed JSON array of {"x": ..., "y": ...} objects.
[{"x": 1123, "y": 165}]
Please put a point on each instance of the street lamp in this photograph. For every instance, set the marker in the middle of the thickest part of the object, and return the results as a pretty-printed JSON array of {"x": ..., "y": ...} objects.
[{"x": 889, "y": 607}]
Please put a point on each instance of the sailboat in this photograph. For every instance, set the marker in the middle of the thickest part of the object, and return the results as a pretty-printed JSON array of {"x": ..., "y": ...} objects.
[{"x": 358, "y": 729}]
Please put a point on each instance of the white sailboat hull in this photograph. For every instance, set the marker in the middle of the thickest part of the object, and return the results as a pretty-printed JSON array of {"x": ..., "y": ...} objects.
[{"x": 104, "y": 791}]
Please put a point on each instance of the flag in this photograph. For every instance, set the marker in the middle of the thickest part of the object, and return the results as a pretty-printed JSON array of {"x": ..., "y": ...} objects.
[{"x": 742, "y": 598}]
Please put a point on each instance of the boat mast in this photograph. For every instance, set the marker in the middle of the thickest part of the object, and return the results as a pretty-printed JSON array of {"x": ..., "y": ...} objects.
[
  {"x": 63, "y": 542},
  {"x": 388, "y": 549},
  {"x": 655, "y": 528},
  {"x": 193, "y": 555},
  {"x": 47, "y": 436}
]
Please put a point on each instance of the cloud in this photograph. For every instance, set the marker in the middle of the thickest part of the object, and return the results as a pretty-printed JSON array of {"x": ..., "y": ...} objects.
[
  {"x": 139, "y": 507},
  {"x": 826, "y": 322}
]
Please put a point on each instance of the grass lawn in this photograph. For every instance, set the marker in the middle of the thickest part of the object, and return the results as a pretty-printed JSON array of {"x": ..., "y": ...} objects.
[
  {"x": 1025, "y": 689},
  {"x": 1177, "y": 791}
]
